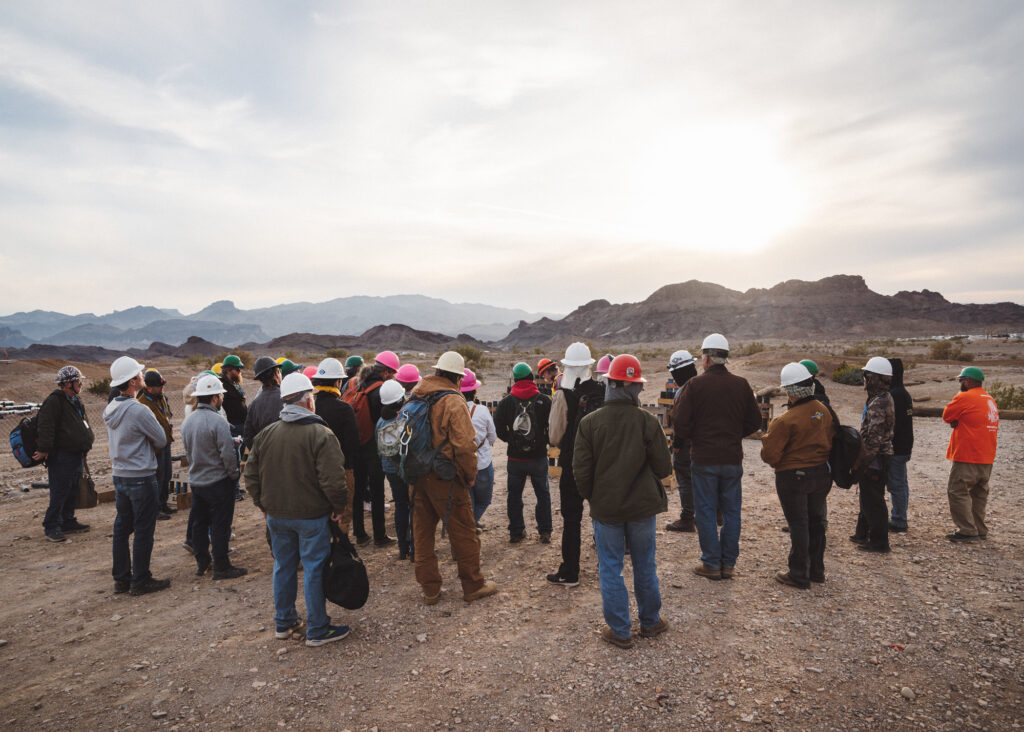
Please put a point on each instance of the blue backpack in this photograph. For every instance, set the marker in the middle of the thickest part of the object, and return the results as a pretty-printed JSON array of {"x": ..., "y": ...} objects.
[
  {"x": 416, "y": 454},
  {"x": 24, "y": 441}
]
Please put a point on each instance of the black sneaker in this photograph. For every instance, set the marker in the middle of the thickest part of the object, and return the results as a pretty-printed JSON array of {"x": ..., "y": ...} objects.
[
  {"x": 872, "y": 548},
  {"x": 557, "y": 579},
  {"x": 683, "y": 524},
  {"x": 122, "y": 586},
  {"x": 163, "y": 516},
  {"x": 545, "y": 537},
  {"x": 203, "y": 566},
  {"x": 56, "y": 536},
  {"x": 958, "y": 537},
  {"x": 516, "y": 538},
  {"x": 858, "y": 539},
  {"x": 167, "y": 508},
  {"x": 897, "y": 529},
  {"x": 231, "y": 572},
  {"x": 384, "y": 541},
  {"x": 149, "y": 585},
  {"x": 334, "y": 633},
  {"x": 74, "y": 528},
  {"x": 363, "y": 540}
]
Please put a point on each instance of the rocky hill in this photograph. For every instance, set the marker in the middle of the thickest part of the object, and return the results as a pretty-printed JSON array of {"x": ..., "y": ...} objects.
[{"x": 837, "y": 306}]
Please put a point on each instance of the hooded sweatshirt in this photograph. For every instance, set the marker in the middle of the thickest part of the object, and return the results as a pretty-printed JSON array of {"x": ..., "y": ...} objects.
[
  {"x": 903, "y": 427},
  {"x": 135, "y": 436},
  {"x": 209, "y": 447},
  {"x": 505, "y": 414}
]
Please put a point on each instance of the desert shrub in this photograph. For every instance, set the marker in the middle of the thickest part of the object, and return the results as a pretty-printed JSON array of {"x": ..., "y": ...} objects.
[
  {"x": 475, "y": 358},
  {"x": 197, "y": 360},
  {"x": 847, "y": 374},
  {"x": 291, "y": 354},
  {"x": 100, "y": 387},
  {"x": 949, "y": 351},
  {"x": 857, "y": 349},
  {"x": 339, "y": 353},
  {"x": 537, "y": 350},
  {"x": 751, "y": 348},
  {"x": 1006, "y": 396},
  {"x": 368, "y": 356}
]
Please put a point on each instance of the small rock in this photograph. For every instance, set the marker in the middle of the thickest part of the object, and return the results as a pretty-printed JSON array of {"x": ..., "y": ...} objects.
[
  {"x": 422, "y": 637},
  {"x": 114, "y": 618},
  {"x": 258, "y": 684},
  {"x": 907, "y": 693},
  {"x": 553, "y": 718},
  {"x": 281, "y": 651},
  {"x": 159, "y": 715},
  {"x": 2, "y": 643}
]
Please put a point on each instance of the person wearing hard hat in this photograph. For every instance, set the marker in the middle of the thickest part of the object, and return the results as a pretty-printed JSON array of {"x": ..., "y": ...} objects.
[
  {"x": 902, "y": 446},
  {"x": 682, "y": 366},
  {"x": 152, "y": 397},
  {"x": 819, "y": 388},
  {"x": 212, "y": 475},
  {"x": 266, "y": 405},
  {"x": 974, "y": 418},
  {"x": 288, "y": 366},
  {"x": 797, "y": 445},
  {"x": 578, "y": 396},
  {"x": 601, "y": 370},
  {"x": 521, "y": 420},
  {"x": 135, "y": 438},
  {"x": 408, "y": 376},
  {"x": 716, "y": 411},
  {"x": 872, "y": 533},
  {"x": 295, "y": 475},
  {"x": 352, "y": 366},
  {"x": 234, "y": 396},
  {"x": 436, "y": 499},
  {"x": 619, "y": 460},
  {"x": 392, "y": 397},
  {"x": 547, "y": 375},
  {"x": 482, "y": 490},
  {"x": 64, "y": 438},
  {"x": 338, "y": 415}
]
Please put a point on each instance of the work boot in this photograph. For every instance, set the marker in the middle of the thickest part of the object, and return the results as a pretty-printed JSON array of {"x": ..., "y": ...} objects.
[
  {"x": 608, "y": 635},
  {"x": 657, "y": 629},
  {"x": 149, "y": 585},
  {"x": 784, "y": 578},
  {"x": 703, "y": 570},
  {"x": 489, "y": 587},
  {"x": 684, "y": 524},
  {"x": 230, "y": 572}
]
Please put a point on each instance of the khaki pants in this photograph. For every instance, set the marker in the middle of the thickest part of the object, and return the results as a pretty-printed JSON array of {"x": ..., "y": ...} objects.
[
  {"x": 968, "y": 496},
  {"x": 428, "y": 509}
]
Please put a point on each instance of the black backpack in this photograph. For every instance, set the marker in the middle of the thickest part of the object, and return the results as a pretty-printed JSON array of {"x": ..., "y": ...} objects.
[
  {"x": 846, "y": 447},
  {"x": 526, "y": 428},
  {"x": 25, "y": 441},
  {"x": 345, "y": 580}
]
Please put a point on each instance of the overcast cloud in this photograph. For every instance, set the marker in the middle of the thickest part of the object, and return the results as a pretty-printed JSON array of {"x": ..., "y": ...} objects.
[{"x": 528, "y": 154}]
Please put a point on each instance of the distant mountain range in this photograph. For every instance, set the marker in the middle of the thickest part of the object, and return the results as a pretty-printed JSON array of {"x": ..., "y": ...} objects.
[{"x": 221, "y": 322}]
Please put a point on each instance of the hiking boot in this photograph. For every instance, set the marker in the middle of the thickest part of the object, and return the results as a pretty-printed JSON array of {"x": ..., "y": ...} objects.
[
  {"x": 167, "y": 508},
  {"x": 872, "y": 548},
  {"x": 784, "y": 578},
  {"x": 74, "y": 528},
  {"x": 858, "y": 539},
  {"x": 203, "y": 565},
  {"x": 545, "y": 537},
  {"x": 657, "y": 629},
  {"x": 818, "y": 579},
  {"x": 517, "y": 538},
  {"x": 557, "y": 579},
  {"x": 149, "y": 585},
  {"x": 610, "y": 637},
  {"x": 897, "y": 529},
  {"x": 161, "y": 516},
  {"x": 363, "y": 540},
  {"x": 298, "y": 628},
  {"x": 727, "y": 571},
  {"x": 955, "y": 536},
  {"x": 122, "y": 586},
  {"x": 489, "y": 587},
  {"x": 432, "y": 599},
  {"x": 334, "y": 633},
  {"x": 57, "y": 536},
  {"x": 682, "y": 524},
  {"x": 703, "y": 570},
  {"x": 230, "y": 572},
  {"x": 384, "y": 541}
]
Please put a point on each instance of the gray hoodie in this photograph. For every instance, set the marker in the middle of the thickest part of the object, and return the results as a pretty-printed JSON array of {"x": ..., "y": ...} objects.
[
  {"x": 135, "y": 436},
  {"x": 209, "y": 447}
]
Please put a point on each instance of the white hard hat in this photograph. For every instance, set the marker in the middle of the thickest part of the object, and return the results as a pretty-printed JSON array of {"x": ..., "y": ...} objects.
[
  {"x": 330, "y": 368},
  {"x": 391, "y": 392},
  {"x": 124, "y": 369},
  {"x": 577, "y": 354},
  {"x": 451, "y": 362},
  {"x": 878, "y": 365},
  {"x": 680, "y": 359},
  {"x": 208, "y": 385},
  {"x": 295, "y": 383},
  {"x": 794, "y": 373},
  {"x": 715, "y": 342}
]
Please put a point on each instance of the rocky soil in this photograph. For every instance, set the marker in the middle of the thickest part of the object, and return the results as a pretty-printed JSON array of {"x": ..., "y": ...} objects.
[{"x": 927, "y": 637}]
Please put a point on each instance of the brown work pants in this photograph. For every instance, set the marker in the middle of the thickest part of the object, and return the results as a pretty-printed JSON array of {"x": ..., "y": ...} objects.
[
  {"x": 968, "y": 496},
  {"x": 428, "y": 509}
]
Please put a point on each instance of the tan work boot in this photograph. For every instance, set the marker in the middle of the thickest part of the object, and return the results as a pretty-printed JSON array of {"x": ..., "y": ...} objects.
[
  {"x": 657, "y": 629},
  {"x": 704, "y": 570},
  {"x": 489, "y": 587},
  {"x": 609, "y": 636}
]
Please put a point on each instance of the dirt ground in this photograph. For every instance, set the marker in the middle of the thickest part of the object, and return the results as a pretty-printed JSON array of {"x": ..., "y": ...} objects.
[{"x": 927, "y": 637}]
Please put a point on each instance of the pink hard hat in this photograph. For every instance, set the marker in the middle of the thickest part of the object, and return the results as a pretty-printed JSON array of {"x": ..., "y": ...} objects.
[
  {"x": 604, "y": 364},
  {"x": 389, "y": 359},
  {"x": 408, "y": 374},
  {"x": 469, "y": 382},
  {"x": 309, "y": 371}
]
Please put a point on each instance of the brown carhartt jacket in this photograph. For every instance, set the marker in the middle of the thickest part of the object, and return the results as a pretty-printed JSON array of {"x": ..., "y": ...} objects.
[{"x": 799, "y": 438}]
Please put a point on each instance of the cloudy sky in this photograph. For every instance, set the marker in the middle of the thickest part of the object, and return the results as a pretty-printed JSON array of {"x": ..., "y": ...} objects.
[{"x": 526, "y": 154}]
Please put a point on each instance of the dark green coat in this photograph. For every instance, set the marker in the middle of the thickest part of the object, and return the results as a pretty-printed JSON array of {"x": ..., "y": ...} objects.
[{"x": 619, "y": 459}]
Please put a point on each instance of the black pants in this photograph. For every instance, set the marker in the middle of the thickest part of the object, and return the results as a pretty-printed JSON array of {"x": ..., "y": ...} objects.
[
  {"x": 803, "y": 495},
  {"x": 571, "y": 505},
  {"x": 369, "y": 484},
  {"x": 684, "y": 483},
  {"x": 213, "y": 508},
  {"x": 163, "y": 473},
  {"x": 63, "y": 472},
  {"x": 873, "y": 521}
]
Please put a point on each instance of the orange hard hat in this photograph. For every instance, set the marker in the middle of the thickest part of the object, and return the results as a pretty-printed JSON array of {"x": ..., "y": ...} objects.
[
  {"x": 544, "y": 364},
  {"x": 625, "y": 368}
]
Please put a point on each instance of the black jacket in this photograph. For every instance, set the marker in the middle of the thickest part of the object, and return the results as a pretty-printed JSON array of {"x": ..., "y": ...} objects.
[
  {"x": 819, "y": 392},
  {"x": 341, "y": 418},
  {"x": 903, "y": 427},
  {"x": 63, "y": 425},
  {"x": 590, "y": 389},
  {"x": 234, "y": 403}
]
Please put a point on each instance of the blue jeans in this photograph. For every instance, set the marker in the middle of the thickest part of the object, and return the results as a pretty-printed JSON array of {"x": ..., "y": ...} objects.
[
  {"x": 899, "y": 490},
  {"x": 611, "y": 546},
  {"x": 309, "y": 540},
  {"x": 481, "y": 491},
  {"x": 137, "y": 501},
  {"x": 537, "y": 471},
  {"x": 400, "y": 495},
  {"x": 717, "y": 487},
  {"x": 63, "y": 472}
]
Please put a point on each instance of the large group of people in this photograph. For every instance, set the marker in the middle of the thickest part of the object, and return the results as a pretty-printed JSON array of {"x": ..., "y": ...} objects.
[{"x": 316, "y": 443}]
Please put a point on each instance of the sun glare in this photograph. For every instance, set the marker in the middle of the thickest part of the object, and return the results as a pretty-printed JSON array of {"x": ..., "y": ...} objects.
[{"x": 712, "y": 188}]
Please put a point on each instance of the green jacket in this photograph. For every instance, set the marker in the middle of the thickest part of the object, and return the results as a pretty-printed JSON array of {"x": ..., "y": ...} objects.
[
  {"x": 297, "y": 470},
  {"x": 619, "y": 458}
]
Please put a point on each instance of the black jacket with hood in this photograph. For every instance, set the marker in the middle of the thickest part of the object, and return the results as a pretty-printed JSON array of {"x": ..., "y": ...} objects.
[{"x": 903, "y": 428}]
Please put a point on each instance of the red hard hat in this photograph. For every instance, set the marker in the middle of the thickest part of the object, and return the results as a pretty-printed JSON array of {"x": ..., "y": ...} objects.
[
  {"x": 544, "y": 364},
  {"x": 625, "y": 368}
]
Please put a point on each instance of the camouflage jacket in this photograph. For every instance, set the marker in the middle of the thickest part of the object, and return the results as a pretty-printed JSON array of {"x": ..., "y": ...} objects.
[{"x": 877, "y": 425}]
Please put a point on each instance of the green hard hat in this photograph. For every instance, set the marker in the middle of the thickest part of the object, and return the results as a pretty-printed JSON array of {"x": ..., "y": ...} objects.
[
  {"x": 211, "y": 372},
  {"x": 810, "y": 366},
  {"x": 353, "y": 361},
  {"x": 233, "y": 360},
  {"x": 972, "y": 372},
  {"x": 288, "y": 366},
  {"x": 521, "y": 371}
]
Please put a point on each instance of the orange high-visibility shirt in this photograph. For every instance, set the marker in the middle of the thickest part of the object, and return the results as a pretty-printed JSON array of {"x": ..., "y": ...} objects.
[{"x": 974, "y": 437}]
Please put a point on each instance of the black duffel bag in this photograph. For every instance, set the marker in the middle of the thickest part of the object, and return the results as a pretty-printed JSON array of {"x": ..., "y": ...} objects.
[{"x": 345, "y": 580}]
